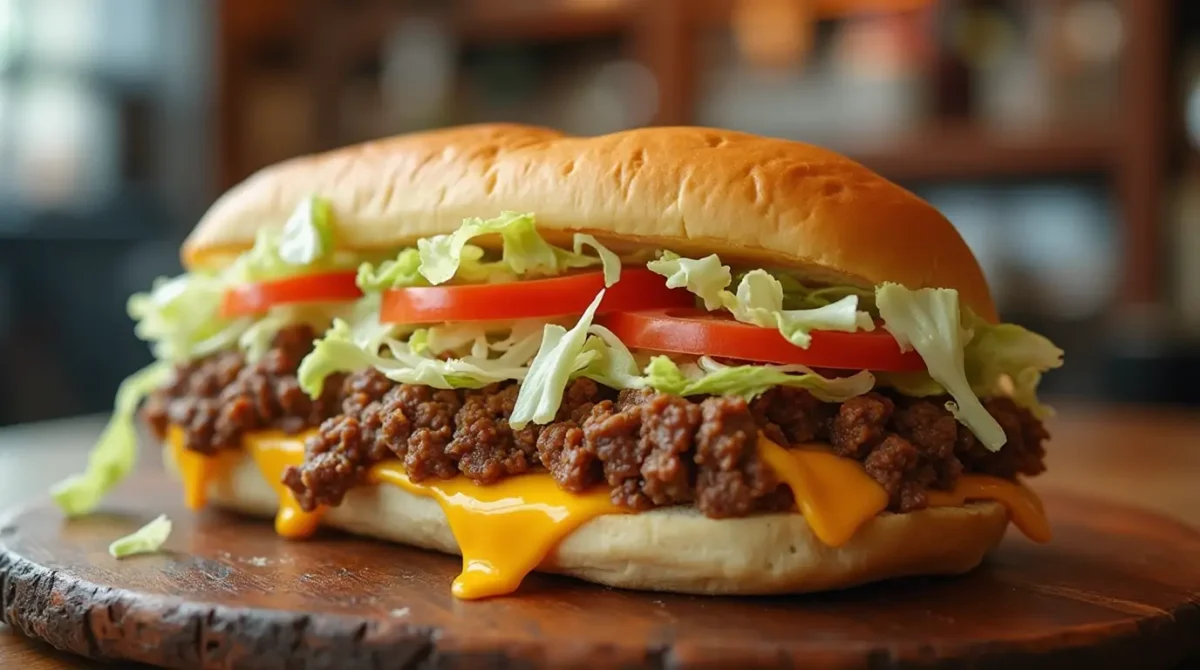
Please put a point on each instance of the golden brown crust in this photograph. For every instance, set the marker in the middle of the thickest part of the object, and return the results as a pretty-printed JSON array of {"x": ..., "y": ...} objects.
[
  {"x": 678, "y": 549},
  {"x": 693, "y": 190}
]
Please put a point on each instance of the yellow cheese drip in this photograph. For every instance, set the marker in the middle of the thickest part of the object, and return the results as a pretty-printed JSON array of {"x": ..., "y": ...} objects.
[
  {"x": 1024, "y": 507},
  {"x": 503, "y": 530},
  {"x": 196, "y": 470},
  {"x": 273, "y": 452},
  {"x": 834, "y": 494}
]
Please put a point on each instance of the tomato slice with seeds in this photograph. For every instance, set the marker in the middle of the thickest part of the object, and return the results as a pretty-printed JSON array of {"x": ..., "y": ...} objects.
[
  {"x": 638, "y": 289},
  {"x": 701, "y": 333},
  {"x": 256, "y": 298}
]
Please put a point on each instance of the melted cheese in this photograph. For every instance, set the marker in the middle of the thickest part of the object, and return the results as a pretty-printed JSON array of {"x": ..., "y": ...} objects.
[
  {"x": 507, "y": 529},
  {"x": 834, "y": 494},
  {"x": 1023, "y": 505},
  {"x": 273, "y": 452},
  {"x": 196, "y": 470},
  {"x": 503, "y": 530}
]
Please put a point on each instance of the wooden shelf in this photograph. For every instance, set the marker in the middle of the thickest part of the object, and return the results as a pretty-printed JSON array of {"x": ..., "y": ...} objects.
[
  {"x": 717, "y": 13},
  {"x": 360, "y": 35},
  {"x": 543, "y": 21},
  {"x": 972, "y": 152},
  {"x": 336, "y": 38}
]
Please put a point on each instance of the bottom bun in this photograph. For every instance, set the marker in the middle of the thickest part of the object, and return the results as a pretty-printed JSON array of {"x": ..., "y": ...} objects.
[{"x": 677, "y": 548}]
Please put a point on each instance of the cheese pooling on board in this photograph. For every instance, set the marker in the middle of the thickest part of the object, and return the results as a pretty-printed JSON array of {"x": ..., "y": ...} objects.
[{"x": 499, "y": 420}]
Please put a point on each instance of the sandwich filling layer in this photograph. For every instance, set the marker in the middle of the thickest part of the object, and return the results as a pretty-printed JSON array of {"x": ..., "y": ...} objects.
[{"x": 648, "y": 449}]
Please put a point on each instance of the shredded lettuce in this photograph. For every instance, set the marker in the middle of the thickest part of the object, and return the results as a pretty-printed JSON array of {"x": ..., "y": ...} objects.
[
  {"x": 335, "y": 352},
  {"x": 346, "y": 348},
  {"x": 304, "y": 244},
  {"x": 706, "y": 277},
  {"x": 180, "y": 317},
  {"x": 399, "y": 272},
  {"x": 145, "y": 540},
  {"x": 797, "y": 295},
  {"x": 1000, "y": 360},
  {"x": 257, "y": 338},
  {"x": 542, "y": 393},
  {"x": 605, "y": 359},
  {"x": 1006, "y": 359},
  {"x": 307, "y": 236},
  {"x": 524, "y": 252},
  {"x": 929, "y": 321},
  {"x": 759, "y": 299},
  {"x": 115, "y": 453},
  {"x": 610, "y": 261},
  {"x": 473, "y": 338},
  {"x": 707, "y": 377}
]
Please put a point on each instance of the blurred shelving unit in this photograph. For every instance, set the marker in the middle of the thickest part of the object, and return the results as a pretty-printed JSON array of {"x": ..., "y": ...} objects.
[
  {"x": 328, "y": 44},
  {"x": 1057, "y": 153}
]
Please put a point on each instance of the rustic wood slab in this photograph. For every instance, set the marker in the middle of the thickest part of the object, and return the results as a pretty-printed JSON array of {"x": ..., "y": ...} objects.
[{"x": 1118, "y": 588}]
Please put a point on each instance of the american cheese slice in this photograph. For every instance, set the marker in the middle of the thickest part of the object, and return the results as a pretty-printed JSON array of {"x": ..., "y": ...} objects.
[
  {"x": 835, "y": 495},
  {"x": 273, "y": 452},
  {"x": 506, "y": 530},
  {"x": 1023, "y": 505},
  {"x": 197, "y": 470}
]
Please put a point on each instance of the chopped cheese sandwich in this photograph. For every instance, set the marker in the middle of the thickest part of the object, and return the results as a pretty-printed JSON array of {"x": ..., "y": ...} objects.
[{"x": 674, "y": 359}]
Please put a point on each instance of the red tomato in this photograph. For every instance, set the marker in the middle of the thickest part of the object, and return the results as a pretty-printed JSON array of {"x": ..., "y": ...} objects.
[
  {"x": 537, "y": 298},
  {"x": 700, "y": 333},
  {"x": 250, "y": 299}
]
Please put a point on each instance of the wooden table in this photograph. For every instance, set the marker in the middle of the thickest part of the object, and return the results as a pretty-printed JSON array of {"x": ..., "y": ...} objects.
[{"x": 1149, "y": 458}]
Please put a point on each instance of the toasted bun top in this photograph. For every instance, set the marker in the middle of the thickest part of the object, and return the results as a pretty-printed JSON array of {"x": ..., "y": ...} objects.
[{"x": 692, "y": 190}]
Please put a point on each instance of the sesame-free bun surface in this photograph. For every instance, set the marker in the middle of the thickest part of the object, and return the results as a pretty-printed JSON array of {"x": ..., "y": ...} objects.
[
  {"x": 677, "y": 549},
  {"x": 692, "y": 190}
]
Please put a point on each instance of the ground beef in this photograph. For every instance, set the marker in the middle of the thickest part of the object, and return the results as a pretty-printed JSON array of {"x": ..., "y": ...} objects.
[
  {"x": 731, "y": 477},
  {"x": 653, "y": 449},
  {"x": 430, "y": 417},
  {"x": 860, "y": 424},
  {"x": 644, "y": 442},
  {"x": 650, "y": 449},
  {"x": 1023, "y": 454},
  {"x": 486, "y": 447},
  {"x": 216, "y": 399},
  {"x": 562, "y": 447},
  {"x": 380, "y": 420},
  {"x": 898, "y": 466},
  {"x": 792, "y": 416}
]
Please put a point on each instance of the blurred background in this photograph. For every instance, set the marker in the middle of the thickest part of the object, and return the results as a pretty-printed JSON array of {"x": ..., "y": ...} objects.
[{"x": 1060, "y": 136}]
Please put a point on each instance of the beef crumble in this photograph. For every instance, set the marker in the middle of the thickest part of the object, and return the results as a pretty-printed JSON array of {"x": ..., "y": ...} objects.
[
  {"x": 654, "y": 449},
  {"x": 215, "y": 400},
  {"x": 650, "y": 449}
]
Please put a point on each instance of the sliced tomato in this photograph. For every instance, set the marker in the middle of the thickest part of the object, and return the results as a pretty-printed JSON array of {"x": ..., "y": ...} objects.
[
  {"x": 537, "y": 298},
  {"x": 701, "y": 333},
  {"x": 250, "y": 299}
]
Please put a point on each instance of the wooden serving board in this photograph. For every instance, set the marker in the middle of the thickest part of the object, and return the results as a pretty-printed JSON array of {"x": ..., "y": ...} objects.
[{"x": 1117, "y": 588}]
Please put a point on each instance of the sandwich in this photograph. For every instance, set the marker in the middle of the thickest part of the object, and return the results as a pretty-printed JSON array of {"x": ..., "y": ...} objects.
[{"x": 670, "y": 359}]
